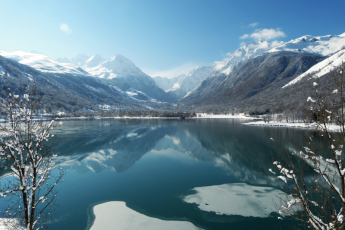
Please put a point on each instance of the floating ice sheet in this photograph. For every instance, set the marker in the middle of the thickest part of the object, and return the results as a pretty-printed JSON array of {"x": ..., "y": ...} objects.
[
  {"x": 116, "y": 215},
  {"x": 236, "y": 199}
]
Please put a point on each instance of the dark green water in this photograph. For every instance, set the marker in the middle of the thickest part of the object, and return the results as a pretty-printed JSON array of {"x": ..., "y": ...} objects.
[{"x": 150, "y": 164}]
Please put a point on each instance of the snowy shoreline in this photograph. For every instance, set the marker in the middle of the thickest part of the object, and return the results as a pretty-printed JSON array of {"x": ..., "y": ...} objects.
[
  {"x": 299, "y": 125},
  {"x": 199, "y": 116}
]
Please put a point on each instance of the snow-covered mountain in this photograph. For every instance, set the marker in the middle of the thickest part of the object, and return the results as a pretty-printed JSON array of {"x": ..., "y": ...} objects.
[
  {"x": 296, "y": 59},
  {"x": 126, "y": 73},
  {"x": 330, "y": 45},
  {"x": 68, "y": 92},
  {"x": 115, "y": 67},
  {"x": 189, "y": 81},
  {"x": 43, "y": 63},
  {"x": 257, "y": 71},
  {"x": 119, "y": 71},
  {"x": 323, "y": 45}
]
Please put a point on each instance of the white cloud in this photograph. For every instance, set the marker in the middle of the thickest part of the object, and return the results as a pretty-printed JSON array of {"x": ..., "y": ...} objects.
[
  {"x": 266, "y": 45},
  {"x": 266, "y": 34},
  {"x": 244, "y": 36},
  {"x": 253, "y": 24},
  {"x": 238, "y": 53},
  {"x": 275, "y": 43},
  {"x": 64, "y": 27},
  {"x": 173, "y": 72}
]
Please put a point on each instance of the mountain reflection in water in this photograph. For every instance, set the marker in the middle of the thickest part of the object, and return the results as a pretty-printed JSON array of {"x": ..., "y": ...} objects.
[{"x": 242, "y": 150}]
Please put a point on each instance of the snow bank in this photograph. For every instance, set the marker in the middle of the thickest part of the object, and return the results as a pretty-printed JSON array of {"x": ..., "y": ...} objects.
[
  {"x": 9, "y": 224},
  {"x": 116, "y": 213},
  {"x": 236, "y": 199},
  {"x": 206, "y": 115},
  {"x": 311, "y": 126},
  {"x": 275, "y": 123}
]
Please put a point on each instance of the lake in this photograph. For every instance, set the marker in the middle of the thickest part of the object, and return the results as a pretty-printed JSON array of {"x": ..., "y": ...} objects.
[{"x": 157, "y": 166}]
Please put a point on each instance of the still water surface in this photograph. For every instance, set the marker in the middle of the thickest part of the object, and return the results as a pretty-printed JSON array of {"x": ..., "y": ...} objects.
[{"x": 152, "y": 164}]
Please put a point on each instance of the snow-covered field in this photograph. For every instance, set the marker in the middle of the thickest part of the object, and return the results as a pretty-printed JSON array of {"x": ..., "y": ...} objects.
[
  {"x": 116, "y": 213},
  {"x": 236, "y": 199},
  {"x": 331, "y": 127}
]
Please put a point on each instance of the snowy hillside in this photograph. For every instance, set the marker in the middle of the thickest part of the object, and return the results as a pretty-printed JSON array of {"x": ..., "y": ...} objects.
[
  {"x": 322, "y": 68},
  {"x": 140, "y": 96},
  {"x": 43, "y": 63}
]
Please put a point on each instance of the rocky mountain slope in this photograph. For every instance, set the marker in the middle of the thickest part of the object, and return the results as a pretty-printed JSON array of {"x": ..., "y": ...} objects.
[
  {"x": 189, "y": 81},
  {"x": 254, "y": 79}
]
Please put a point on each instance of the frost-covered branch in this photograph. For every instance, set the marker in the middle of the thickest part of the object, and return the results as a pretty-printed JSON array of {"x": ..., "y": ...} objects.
[{"x": 24, "y": 149}]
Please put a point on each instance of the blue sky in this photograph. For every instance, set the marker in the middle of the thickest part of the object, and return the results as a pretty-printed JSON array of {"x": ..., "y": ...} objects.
[{"x": 163, "y": 37}]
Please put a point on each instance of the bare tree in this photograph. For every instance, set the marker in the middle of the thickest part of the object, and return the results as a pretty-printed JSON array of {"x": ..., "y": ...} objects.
[
  {"x": 26, "y": 152},
  {"x": 315, "y": 174}
]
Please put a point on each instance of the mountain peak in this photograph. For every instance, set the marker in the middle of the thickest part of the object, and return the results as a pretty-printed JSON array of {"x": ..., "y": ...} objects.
[
  {"x": 93, "y": 61},
  {"x": 122, "y": 59},
  {"x": 116, "y": 66},
  {"x": 120, "y": 63}
]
